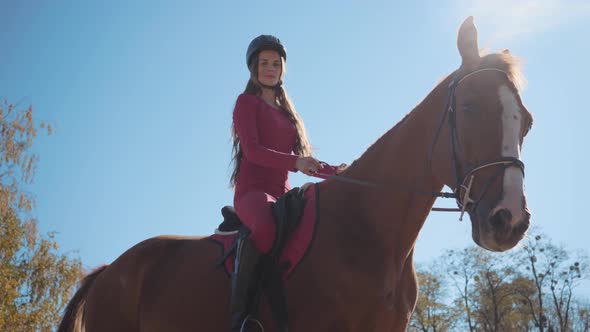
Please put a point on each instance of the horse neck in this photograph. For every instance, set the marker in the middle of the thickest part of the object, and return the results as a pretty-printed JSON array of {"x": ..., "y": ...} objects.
[{"x": 399, "y": 159}]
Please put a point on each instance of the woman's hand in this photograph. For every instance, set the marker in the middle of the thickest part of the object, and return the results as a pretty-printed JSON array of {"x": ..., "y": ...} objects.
[{"x": 308, "y": 165}]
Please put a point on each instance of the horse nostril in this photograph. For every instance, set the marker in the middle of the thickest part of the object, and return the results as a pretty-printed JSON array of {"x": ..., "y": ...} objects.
[{"x": 501, "y": 218}]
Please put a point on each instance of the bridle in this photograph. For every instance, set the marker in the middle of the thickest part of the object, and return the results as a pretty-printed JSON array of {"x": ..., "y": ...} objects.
[{"x": 462, "y": 192}]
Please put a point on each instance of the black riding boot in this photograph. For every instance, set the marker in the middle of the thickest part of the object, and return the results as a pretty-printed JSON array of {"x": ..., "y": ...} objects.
[{"x": 244, "y": 280}]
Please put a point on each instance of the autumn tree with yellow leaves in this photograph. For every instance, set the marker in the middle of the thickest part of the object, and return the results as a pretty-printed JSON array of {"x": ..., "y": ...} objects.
[
  {"x": 36, "y": 281},
  {"x": 530, "y": 288}
]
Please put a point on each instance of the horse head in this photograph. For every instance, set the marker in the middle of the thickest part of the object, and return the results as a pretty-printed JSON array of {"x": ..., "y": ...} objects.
[{"x": 487, "y": 124}]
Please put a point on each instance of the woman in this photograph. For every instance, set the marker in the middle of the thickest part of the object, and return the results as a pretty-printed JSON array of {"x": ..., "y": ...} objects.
[{"x": 266, "y": 130}]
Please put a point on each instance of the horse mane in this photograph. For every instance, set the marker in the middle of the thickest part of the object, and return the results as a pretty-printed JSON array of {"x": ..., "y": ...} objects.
[
  {"x": 373, "y": 146},
  {"x": 507, "y": 63},
  {"x": 503, "y": 61}
]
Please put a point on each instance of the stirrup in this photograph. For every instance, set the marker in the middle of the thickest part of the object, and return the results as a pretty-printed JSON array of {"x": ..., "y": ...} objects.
[{"x": 246, "y": 319}]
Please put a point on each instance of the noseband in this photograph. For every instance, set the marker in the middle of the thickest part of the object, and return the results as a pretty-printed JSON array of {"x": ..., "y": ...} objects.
[{"x": 462, "y": 192}]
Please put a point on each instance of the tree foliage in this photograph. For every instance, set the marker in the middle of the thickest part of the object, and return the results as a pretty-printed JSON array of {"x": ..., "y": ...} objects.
[
  {"x": 531, "y": 288},
  {"x": 35, "y": 280},
  {"x": 432, "y": 314}
]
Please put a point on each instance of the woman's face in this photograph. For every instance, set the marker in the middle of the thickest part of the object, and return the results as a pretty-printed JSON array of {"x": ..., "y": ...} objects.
[{"x": 269, "y": 67}]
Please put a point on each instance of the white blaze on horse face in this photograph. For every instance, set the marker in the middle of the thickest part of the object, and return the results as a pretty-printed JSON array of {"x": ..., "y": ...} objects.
[{"x": 513, "y": 177}]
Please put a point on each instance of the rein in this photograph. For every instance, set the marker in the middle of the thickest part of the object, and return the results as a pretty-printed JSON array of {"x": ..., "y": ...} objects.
[{"x": 462, "y": 193}]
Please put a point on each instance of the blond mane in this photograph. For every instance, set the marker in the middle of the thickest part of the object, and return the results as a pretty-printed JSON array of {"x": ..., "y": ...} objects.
[{"x": 508, "y": 63}]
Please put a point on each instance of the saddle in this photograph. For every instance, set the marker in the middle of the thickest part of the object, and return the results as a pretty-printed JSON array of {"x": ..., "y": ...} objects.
[
  {"x": 231, "y": 222},
  {"x": 287, "y": 212}
]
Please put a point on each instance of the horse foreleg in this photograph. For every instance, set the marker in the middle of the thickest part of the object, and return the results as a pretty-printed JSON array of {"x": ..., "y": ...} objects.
[{"x": 406, "y": 296}]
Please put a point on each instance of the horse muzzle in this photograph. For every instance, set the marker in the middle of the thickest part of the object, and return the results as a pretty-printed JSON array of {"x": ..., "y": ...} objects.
[{"x": 501, "y": 228}]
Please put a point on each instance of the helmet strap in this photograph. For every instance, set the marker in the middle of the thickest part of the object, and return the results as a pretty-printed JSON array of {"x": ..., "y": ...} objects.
[{"x": 272, "y": 87}]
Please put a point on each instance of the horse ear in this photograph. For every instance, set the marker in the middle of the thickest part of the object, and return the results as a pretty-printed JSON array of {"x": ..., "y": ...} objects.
[{"x": 467, "y": 42}]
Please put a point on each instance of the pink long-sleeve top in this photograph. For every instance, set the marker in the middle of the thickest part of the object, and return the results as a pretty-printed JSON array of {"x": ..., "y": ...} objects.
[{"x": 267, "y": 138}]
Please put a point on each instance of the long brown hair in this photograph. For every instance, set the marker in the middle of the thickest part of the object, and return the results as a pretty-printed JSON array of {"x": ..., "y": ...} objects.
[{"x": 302, "y": 146}]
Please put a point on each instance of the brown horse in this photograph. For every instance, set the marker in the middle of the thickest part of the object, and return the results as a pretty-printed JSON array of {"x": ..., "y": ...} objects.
[{"x": 359, "y": 273}]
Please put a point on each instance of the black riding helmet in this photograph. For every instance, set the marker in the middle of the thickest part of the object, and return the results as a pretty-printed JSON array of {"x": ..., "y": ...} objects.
[{"x": 262, "y": 43}]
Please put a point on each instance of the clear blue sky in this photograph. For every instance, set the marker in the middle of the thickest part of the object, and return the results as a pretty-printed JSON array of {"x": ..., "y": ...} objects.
[{"x": 142, "y": 93}]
